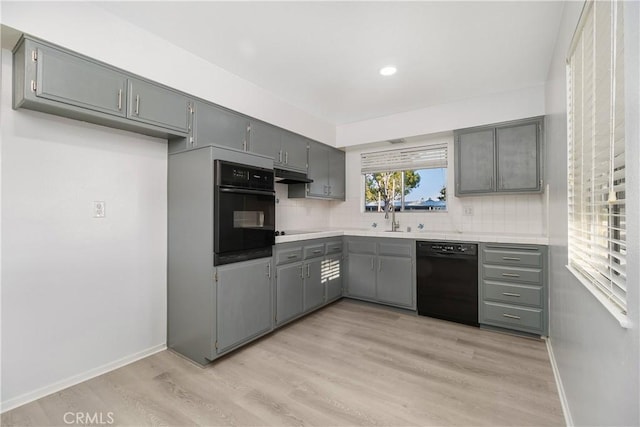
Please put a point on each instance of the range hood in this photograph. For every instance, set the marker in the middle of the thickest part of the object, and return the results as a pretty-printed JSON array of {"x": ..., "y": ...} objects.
[{"x": 289, "y": 177}]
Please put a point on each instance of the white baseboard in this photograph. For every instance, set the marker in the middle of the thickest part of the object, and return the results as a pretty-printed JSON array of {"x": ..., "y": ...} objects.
[
  {"x": 563, "y": 397},
  {"x": 76, "y": 379}
]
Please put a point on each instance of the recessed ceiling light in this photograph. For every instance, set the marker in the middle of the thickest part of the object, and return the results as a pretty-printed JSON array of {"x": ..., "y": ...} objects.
[{"x": 388, "y": 70}]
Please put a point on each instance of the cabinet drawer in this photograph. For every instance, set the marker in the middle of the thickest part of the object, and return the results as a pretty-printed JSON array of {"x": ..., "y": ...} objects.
[
  {"x": 362, "y": 247},
  {"x": 334, "y": 248},
  {"x": 313, "y": 251},
  {"x": 512, "y": 274},
  {"x": 513, "y": 294},
  {"x": 512, "y": 257},
  {"x": 394, "y": 249},
  {"x": 288, "y": 255},
  {"x": 513, "y": 317}
]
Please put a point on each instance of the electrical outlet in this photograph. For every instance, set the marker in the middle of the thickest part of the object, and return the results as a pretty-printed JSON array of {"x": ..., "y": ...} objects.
[
  {"x": 468, "y": 211},
  {"x": 99, "y": 209}
]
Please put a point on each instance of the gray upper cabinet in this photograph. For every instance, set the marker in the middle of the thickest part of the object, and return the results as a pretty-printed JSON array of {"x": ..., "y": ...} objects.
[
  {"x": 501, "y": 158},
  {"x": 327, "y": 170},
  {"x": 266, "y": 139},
  {"x": 157, "y": 105},
  {"x": 475, "y": 162},
  {"x": 318, "y": 170},
  {"x": 518, "y": 160},
  {"x": 294, "y": 152},
  {"x": 53, "y": 80},
  {"x": 72, "y": 80},
  {"x": 214, "y": 125},
  {"x": 337, "y": 174},
  {"x": 289, "y": 150}
]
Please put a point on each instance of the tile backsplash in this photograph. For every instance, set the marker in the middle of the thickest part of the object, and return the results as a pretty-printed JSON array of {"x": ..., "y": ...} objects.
[{"x": 500, "y": 214}]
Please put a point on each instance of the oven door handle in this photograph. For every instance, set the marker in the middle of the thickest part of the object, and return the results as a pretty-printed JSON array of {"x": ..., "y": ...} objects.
[{"x": 246, "y": 191}]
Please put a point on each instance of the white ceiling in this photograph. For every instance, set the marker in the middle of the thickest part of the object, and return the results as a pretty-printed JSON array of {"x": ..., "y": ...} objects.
[{"x": 324, "y": 57}]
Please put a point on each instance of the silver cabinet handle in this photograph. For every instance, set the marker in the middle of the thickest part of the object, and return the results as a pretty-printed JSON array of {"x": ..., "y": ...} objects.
[
  {"x": 510, "y": 258},
  {"x": 308, "y": 274},
  {"x": 301, "y": 272},
  {"x": 329, "y": 189},
  {"x": 137, "y": 105},
  {"x": 509, "y": 294},
  {"x": 120, "y": 99},
  {"x": 286, "y": 157},
  {"x": 511, "y": 316},
  {"x": 379, "y": 265},
  {"x": 269, "y": 270},
  {"x": 317, "y": 251},
  {"x": 292, "y": 256},
  {"x": 280, "y": 156},
  {"x": 510, "y": 275},
  {"x": 372, "y": 267}
]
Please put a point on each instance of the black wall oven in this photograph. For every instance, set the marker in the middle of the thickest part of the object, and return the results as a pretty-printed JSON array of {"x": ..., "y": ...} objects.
[{"x": 244, "y": 212}]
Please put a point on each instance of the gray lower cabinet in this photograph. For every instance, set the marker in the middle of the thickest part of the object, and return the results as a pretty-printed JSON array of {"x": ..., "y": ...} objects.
[
  {"x": 54, "y": 80},
  {"x": 332, "y": 276},
  {"x": 393, "y": 272},
  {"x": 289, "y": 292},
  {"x": 215, "y": 125},
  {"x": 243, "y": 302},
  {"x": 308, "y": 275},
  {"x": 381, "y": 270},
  {"x": 313, "y": 284},
  {"x": 499, "y": 158},
  {"x": 513, "y": 287}
]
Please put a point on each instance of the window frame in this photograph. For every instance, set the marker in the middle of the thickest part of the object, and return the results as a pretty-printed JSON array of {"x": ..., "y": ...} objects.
[{"x": 596, "y": 194}]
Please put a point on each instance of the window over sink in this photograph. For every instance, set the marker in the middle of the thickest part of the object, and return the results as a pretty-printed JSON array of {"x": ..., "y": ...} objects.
[{"x": 410, "y": 180}]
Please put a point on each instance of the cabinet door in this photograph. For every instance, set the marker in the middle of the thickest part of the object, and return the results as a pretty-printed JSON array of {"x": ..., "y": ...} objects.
[
  {"x": 313, "y": 286},
  {"x": 294, "y": 148},
  {"x": 267, "y": 140},
  {"x": 318, "y": 169},
  {"x": 332, "y": 277},
  {"x": 69, "y": 79},
  {"x": 518, "y": 157},
  {"x": 289, "y": 292},
  {"x": 156, "y": 105},
  {"x": 213, "y": 125},
  {"x": 337, "y": 175},
  {"x": 243, "y": 302},
  {"x": 361, "y": 276},
  {"x": 474, "y": 154},
  {"x": 395, "y": 281}
]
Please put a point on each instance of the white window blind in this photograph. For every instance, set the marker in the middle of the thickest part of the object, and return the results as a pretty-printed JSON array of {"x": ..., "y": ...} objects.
[
  {"x": 596, "y": 151},
  {"x": 427, "y": 157}
]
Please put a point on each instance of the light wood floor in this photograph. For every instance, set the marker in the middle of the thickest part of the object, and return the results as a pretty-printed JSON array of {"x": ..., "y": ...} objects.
[{"x": 347, "y": 364}]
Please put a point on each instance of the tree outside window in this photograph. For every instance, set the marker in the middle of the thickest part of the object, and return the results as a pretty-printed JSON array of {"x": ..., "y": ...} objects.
[{"x": 409, "y": 190}]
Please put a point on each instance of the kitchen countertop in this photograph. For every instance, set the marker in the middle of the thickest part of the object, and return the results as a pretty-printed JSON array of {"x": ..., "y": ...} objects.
[{"x": 297, "y": 235}]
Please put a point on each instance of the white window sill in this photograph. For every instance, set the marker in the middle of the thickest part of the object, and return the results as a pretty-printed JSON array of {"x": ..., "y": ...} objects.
[{"x": 613, "y": 309}]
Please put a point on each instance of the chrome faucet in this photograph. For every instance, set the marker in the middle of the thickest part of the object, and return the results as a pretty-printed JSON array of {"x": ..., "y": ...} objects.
[{"x": 395, "y": 225}]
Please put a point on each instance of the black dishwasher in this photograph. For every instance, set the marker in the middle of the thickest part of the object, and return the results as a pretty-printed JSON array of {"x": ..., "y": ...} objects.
[{"x": 448, "y": 281}]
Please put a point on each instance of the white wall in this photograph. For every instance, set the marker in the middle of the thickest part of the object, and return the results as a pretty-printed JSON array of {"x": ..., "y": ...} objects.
[
  {"x": 90, "y": 30},
  {"x": 301, "y": 214},
  {"x": 80, "y": 295},
  {"x": 500, "y": 107},
  {"x": 500, "y": 214},
  {"x": 598, "y": 360}
]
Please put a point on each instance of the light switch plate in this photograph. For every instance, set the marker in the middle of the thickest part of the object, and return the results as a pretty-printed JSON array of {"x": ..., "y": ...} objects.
[
  {"x": 468, "y": 211},
  {"x": 99, "y": 209}
]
